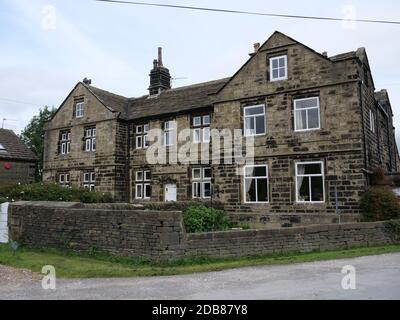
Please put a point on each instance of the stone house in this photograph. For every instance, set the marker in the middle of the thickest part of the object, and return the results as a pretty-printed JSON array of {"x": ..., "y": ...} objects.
[
  {"x": 17, "y": 161},
  {"x": 318, "y": 128}
]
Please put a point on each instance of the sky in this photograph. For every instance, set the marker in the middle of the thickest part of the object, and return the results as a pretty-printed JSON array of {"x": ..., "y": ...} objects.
[{"x": 46, "y": 47}]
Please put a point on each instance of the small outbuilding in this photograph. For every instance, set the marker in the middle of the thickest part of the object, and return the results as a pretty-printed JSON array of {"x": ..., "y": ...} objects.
[{"x": 17, "y": 161}]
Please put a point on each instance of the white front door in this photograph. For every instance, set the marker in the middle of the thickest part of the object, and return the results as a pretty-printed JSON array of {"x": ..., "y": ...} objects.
[{"x": 170, "y": 192}]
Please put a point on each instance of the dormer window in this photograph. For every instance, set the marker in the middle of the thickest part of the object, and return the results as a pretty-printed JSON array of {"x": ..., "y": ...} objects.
[
  {"x": 278, "y": 66},
  {"x": 79, "y": 109}
]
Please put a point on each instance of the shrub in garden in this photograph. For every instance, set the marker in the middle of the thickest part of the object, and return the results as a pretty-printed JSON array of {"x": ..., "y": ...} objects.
[
  {"x": 199, "y": 218},
  {"x": 379, "y": 204},
  {"x": 51, "y": 192}
]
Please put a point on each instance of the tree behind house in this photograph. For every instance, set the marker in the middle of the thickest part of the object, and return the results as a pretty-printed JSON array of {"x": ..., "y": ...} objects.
[{"x": 33, "y": 136}]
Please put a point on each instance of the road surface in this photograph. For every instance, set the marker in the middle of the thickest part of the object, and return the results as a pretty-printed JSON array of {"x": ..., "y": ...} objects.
[{"x": 377, "y": 277}]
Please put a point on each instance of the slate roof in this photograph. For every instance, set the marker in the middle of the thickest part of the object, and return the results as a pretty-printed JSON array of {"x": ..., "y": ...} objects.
[
  {"x": 15, "y": 148},
  {"x": 343, "y": 56},
  {"x": 112, "y": 101},
  {"x": 174, "y": 100},
  {"x": 167, "y": 102}
]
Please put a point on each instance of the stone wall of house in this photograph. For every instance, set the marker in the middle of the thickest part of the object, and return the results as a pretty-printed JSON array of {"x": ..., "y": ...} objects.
[
  {"x": 20, "y": 172},
  {"x": 109, "y": 161},
  {"x": 160, "y": 235}
]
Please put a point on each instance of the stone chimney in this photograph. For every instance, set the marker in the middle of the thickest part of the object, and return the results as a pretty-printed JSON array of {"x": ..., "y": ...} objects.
[
  {"x": 87, "y": 81},
  {"x": 160, "y": 78},
  {"x": 256, "y": 47},
  {"x": 325, "y": 54}
]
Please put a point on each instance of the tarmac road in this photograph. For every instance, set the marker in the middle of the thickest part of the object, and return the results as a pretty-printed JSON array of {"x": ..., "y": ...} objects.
[{"x": 377, "y": 277}]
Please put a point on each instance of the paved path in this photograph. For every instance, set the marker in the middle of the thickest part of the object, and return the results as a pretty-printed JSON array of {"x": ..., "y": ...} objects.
[{"x": 377, "y": 277}]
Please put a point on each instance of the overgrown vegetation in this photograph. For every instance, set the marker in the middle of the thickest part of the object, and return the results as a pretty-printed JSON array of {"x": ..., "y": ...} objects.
[
  {"x": 199, "y": 218},
  {"x": 380, "y": 204},
  {"x": 70, "y": 264},
  {"x": 393, "y": 228},
  {"x": 179, "y": 205},
  {"x": 52, "y": 192}
]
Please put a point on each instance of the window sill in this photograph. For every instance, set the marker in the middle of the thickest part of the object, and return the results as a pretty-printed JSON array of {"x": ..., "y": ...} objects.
[
  {"x": 255, "y": 135},
  {"x": 307, "y": 130},
  {"x": 278, "y": 79}
]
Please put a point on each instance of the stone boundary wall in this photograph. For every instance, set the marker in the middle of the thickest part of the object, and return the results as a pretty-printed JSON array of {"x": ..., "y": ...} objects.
[
  {"x": 160, "y": 235},
  {"x": 137, "y": 233}
]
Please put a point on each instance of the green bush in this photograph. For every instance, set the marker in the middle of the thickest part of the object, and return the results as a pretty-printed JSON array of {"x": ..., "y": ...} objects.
[
  {"x": 52, "y": 192},
  {"x": 179, "y": 205},
  {"x": 199, "y": 218},
  {"x": 380, "y": 204}
]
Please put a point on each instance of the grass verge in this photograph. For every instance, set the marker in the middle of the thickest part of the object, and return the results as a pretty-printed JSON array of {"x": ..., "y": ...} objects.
[{"x": 69, "y": 264}]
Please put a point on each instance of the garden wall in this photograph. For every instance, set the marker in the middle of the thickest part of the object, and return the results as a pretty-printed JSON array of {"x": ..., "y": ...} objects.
[{"x": 160, "y": 235}]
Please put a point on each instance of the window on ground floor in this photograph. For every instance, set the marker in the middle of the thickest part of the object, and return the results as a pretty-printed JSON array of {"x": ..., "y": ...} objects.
[
  {"x": 89, "y": 180},
  {"x": 310, "y": 182},
  {"x": 142, "y": 184},
  {"x": 201, "y": 183},
  {"x": 63, "y": 179},
  {"x": 256, "y": 184}
]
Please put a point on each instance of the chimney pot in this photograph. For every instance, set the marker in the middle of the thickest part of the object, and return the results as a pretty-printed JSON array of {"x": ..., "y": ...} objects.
[
  {"x": 160, "y": 78},
  {"x": 256, "y": 46},
  {"x": 325, "y": 54},
  {"x": 160, "y": 62}
]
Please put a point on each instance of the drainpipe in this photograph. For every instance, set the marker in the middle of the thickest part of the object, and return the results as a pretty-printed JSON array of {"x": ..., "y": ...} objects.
[{"x": 361, "y": 102}]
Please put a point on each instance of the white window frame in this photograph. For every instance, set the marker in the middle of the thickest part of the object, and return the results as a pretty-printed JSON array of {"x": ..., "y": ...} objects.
[
  {"x": 142, "y": 137},
  {"x": 79, "y": 109},
  {"x": 89, "y": 180},
  {"x": 169, "y": 131},
  {"x": 141, "y": 183},
  {"x": 271, "y": 60},
  {"x": 206, "y": 138},
  {"x": 372, "y": 120},
  {"x": 2, "y": 148},
  {"x": 246, "y": 131},
  {"x": 295, "y": 101},
  {"x": 197, "y": 135},
  {"x": 322, "y": 174},
  {"x": 65, "y": 143},
  {"x": 90, "y": 139},
  {"x": 256, "y": 178},
  {"x": 201, "y": 180},
  {"x": 65, "y": 181},
  {"x": 201, "y": 125},
  {"x": 137, "y": 187},
  {"x": 195, "y": 123}
]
